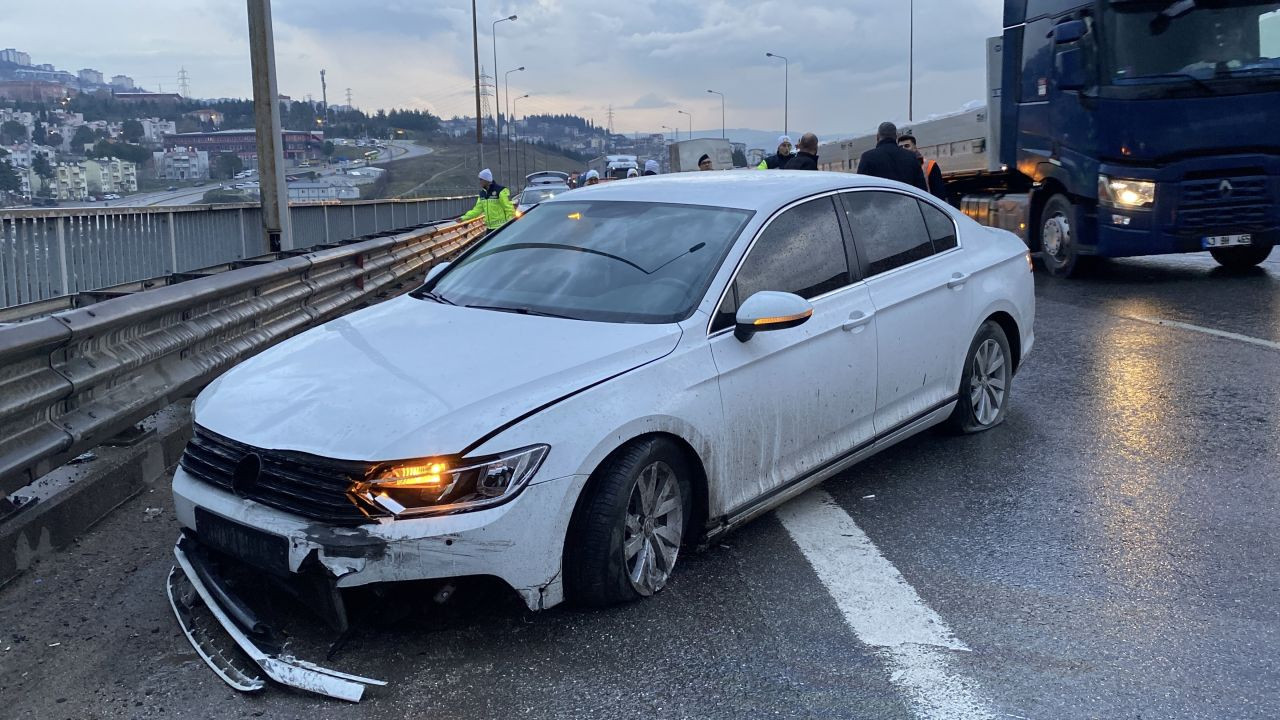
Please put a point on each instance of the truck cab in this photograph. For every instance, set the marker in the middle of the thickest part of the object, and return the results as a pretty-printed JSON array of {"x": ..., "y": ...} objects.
[{"x": 1142, "y": 127}]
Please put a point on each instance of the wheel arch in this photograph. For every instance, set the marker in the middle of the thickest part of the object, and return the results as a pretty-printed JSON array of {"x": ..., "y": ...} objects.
[{"x": 1011, "y": 332}]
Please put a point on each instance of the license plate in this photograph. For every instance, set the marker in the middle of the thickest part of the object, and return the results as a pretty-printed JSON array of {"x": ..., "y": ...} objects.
[
  {"x": 1217, "y": 241},
  {"x": 262, "y": 550}
]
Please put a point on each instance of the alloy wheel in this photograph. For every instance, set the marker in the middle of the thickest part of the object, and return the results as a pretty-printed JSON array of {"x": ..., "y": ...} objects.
[
  {"x": 987, "y": 382},
  {"x": 654, "y": 528}
]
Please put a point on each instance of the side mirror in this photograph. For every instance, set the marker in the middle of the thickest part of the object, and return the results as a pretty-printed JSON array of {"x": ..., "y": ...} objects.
[
  {"x": 769, "y": 310},
  {"x": 435, "y": 271},
  {"x": 1069, "y": 69},
  {"x": 1069, "y": 31}
]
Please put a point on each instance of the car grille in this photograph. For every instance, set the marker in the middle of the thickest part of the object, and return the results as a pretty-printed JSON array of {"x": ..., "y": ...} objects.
[
  {"x": 296, "y": 483},
  {"x": 1246, "y": 206}
]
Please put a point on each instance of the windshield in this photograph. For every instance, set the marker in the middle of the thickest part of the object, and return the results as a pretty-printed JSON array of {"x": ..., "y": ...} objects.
[
  {"x": 1191, "y": 40},
  {"x": 605, "y": 261}
]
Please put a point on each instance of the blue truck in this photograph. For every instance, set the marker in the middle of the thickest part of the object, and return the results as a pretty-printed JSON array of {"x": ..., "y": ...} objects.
[{"x": 1118, "y": 128}]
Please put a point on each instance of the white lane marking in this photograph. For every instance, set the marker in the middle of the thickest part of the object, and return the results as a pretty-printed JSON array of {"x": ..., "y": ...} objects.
[
  {"x": 883, "y": 609},
  {"x": 1206, "y": 330}
]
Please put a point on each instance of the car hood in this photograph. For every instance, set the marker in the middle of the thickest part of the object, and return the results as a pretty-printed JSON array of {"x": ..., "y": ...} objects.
[{"x": 415, "y": 378}]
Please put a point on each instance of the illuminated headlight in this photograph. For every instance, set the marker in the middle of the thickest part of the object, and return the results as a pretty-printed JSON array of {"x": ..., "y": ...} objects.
[
  {"x": 448, "y": 484},
  {"x": 1118, "y": 192}
]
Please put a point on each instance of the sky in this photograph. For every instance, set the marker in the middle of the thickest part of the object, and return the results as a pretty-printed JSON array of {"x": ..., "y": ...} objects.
[{"x": 645, "y": 58}]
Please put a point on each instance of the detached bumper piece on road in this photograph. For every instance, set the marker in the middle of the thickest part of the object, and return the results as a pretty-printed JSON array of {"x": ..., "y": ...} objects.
[{"x": 202, "y": 604}]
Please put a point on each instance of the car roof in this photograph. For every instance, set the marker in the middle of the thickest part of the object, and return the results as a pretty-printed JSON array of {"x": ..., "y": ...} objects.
[{"x": 746, "y": 189}]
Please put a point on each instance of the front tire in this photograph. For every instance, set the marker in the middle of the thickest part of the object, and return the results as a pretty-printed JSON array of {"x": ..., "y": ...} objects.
[
  {"x": 626, "y": 536},
  {"x": 985, "y": 382},
  {"x": 1241, "y": 258},
  {"x": 1059, "y": 238}
]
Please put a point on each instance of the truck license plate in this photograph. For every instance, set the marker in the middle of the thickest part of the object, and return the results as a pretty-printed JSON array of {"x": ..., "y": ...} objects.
[{"x": 1217, "y": 241}]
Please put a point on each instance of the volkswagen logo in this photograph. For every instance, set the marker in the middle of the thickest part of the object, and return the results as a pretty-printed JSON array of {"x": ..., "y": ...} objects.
[
  {"x": 245, "y": 479},
  {"x": 1225, "y": 188}
]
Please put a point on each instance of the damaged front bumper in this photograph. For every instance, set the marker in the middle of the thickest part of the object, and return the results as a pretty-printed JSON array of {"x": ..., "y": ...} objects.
[{"x": 200, "y": 602}]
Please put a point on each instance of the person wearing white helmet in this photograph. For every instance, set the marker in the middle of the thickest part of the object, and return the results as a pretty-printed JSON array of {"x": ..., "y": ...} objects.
[
  {"x": 593, "y": 178},
  {"x": 651, "y": 167},
  {"x": 778, "y": 160},
  {"x": 632, "y": 173},
  {"x": 494, "y": 203}
]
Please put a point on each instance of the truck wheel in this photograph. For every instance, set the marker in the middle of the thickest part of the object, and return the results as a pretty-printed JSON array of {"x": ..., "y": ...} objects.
[
  {"x": 1241, "y": 258},
  {"x": 1059, "y": 250}
]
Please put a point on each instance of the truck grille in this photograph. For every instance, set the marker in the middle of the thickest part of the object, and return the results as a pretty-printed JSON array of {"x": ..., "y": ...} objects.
[
  {"x": 296, "y": 483},
  {"x": 1244, "y": 205}
]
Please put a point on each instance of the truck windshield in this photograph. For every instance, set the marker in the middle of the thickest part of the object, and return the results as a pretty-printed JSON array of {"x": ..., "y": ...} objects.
[{"x": 1191, "y": 41}]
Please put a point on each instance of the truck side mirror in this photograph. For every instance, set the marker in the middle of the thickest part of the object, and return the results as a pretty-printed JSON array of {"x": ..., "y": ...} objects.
[
  {"x": 1069, "y": 69},
  {"x": 1069, "y": 31}
]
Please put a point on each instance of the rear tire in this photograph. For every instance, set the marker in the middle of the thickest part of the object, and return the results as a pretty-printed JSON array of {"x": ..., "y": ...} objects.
[
  {"x": 1059, "y": 238},
  {"x": 1241, "y": 258},
  {"x": 985, "y": 382},
  {"x": 626, "y": 535}
]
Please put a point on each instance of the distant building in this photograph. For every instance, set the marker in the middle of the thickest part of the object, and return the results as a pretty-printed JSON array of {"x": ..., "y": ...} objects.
[
  {"x": 89, "y": 76},
  {"x": 31, "y": 90},
  {"x": 124, "y": 82},
  {"x": 322, "y": 192},
  {"x": 181, "y": 163},
  {"x": 22, "y": 155},
  {"x": 207, "y": 115},
  {"x": 15, "y": 56},
  {"x": 67, "y": 183},
  {"x": 299, "y": 145},
  {"x": 109, "y": 175},
  {"x": 154, "y": 129}
]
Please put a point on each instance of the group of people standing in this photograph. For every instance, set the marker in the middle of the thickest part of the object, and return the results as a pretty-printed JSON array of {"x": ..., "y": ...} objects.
[{"x": 895, "y": 157}]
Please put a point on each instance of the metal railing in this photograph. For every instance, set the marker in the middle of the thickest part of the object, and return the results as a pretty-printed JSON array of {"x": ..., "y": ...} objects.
[
  {"x": 50, "y": 252},
  {"x": 71, "y": 380}
]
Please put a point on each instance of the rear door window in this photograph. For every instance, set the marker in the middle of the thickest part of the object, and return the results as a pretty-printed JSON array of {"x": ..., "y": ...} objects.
[{"x": 888, "y": 228}]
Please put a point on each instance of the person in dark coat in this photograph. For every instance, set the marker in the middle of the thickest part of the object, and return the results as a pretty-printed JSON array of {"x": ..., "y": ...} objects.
[
  {"x": 887, "y": 160},
  {"x": 932, "y": 172},
  {"x": 806, "y": 157}
]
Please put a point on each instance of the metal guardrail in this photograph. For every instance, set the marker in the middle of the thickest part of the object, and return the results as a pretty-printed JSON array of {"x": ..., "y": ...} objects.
[
  {"x": 46, "y": 253},
  {"x": 71, "y": 380}
]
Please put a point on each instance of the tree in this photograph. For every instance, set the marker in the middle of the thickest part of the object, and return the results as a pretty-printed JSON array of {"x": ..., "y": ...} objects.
[
  {"x": 84, "y": 136},
  {"x": 132, "y": 153},
  {"x": 13, "y": 132},
  {"x": 40, "y": 164},
  {"x": 226, "y": 165},
  {"x": 9, "y": 180},
  {"x": 739, "y": 158},
  {"x": 54, "y": 139},
  {"x": 132, "y": 130},
  {"x": 40, "y": 136},
  {"x": 328, "y": 148}
]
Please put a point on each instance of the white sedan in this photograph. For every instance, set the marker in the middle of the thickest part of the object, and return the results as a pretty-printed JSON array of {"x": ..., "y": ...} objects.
[{"x": 628, "y": 370}]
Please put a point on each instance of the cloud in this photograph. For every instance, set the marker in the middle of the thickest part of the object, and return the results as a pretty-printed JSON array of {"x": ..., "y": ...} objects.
[
  {"x": 646, "y": 58},
  {"x": 649, "y": 102}
]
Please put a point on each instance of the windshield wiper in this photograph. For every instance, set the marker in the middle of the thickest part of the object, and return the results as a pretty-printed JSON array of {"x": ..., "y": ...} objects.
[
  {"x": 438, "y": 298},
  {"x": 520, "y": 311}
]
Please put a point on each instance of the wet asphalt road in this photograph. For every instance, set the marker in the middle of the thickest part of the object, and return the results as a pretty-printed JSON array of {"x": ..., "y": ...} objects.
[{"x": 1110, "y": 552}]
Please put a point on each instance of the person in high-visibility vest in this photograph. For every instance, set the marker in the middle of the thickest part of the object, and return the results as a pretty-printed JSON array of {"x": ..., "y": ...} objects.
[
  {"x": 494, "y": 203},
  {"x": 779, "y": 159},
  {"x": 932, "y": 173}
]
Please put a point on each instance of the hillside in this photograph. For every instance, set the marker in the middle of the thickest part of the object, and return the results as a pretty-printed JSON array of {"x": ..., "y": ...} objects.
[{"x": 451, "y": 168}]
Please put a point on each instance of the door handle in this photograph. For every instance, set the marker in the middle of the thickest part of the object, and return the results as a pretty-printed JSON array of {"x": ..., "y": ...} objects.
[
  {"x": 857, "y": 320},
  {"x": 957, "y": 281}
]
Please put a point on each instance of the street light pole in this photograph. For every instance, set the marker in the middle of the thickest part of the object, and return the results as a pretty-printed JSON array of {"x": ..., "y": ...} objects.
[
  {"x": 786, "y": 89},
  {"x": 277, "y": 228},
  {"x": 506, "y": 93},
  {"x": 517, "y": 160},
  {"x": 715, "y": 92},
  {"x": 690, "y": 116},
  {"x": 497, "y": 122}
]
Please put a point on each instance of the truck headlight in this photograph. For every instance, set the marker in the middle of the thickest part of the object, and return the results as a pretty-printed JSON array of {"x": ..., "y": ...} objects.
[
  {"x": 448, "y": 484},
  {"x": 1118, "y": 192}
]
